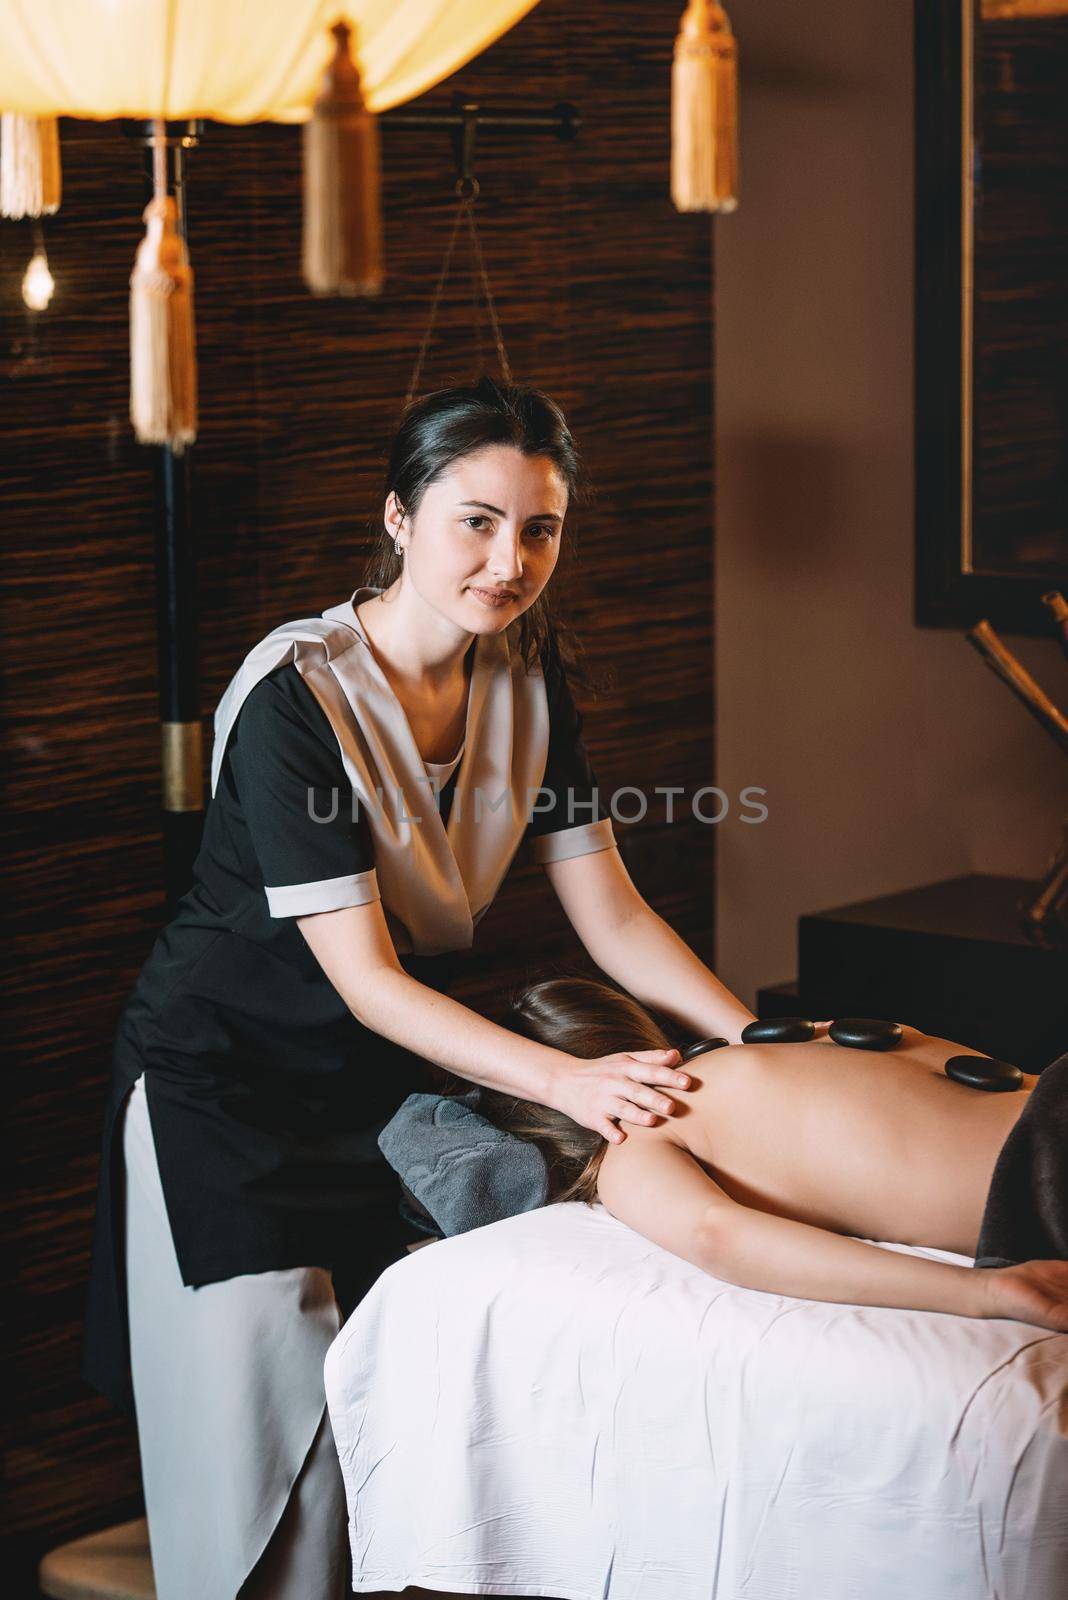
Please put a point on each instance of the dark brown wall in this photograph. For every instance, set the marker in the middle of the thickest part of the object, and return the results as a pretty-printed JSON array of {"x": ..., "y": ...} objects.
[{"x": 605, "y": 297}]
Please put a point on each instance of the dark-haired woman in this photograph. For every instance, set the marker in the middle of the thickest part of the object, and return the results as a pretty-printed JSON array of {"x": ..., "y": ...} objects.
[
  {"x": 375, "y": 771},
  {"x": 876, "y": 1147}
]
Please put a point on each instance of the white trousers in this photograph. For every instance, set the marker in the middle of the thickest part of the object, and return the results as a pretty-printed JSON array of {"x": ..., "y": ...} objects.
[{"x": 243, "y": 1489}]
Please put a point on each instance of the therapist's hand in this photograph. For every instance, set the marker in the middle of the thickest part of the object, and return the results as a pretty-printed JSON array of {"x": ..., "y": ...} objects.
[{"x": 596, "y": 1093}]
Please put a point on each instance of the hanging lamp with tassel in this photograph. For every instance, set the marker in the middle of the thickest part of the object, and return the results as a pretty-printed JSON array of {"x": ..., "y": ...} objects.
[
  {"x": 704, "y": 111},
  {"x": 342, "y": 250},
  {"x": 30, "y": 181},
  {"x": 163, "y": 369}
]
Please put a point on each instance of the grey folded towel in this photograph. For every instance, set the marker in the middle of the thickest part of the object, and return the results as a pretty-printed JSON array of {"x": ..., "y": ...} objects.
[
  {"x": 1026, "y": 1213},
  {"x": 459, "y": 1167}
]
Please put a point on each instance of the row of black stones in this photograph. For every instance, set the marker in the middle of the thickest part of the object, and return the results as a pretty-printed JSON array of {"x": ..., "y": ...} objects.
[
  {"x": 867, "y": 1033},
  {"x": 858, "y": 1033}
]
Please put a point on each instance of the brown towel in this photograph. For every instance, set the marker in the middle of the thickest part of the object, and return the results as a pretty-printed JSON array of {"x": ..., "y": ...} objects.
[{"x": 1026, "y": 1213}]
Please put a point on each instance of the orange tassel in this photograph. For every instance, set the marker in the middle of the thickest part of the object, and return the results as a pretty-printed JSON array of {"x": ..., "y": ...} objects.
[
  {"x": 704, "y": 111},
  {"x": 163, "y": 362},
  {"x": 342, "y": 251},
  {"x": 30, "y": 181}
]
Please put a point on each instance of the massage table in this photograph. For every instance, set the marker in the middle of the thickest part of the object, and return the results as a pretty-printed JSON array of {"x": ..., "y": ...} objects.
[{"x": 553, "y": 1405}]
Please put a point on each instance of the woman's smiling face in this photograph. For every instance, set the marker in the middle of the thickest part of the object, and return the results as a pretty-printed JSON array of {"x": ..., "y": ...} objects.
[{"x": 485, "y": 538}]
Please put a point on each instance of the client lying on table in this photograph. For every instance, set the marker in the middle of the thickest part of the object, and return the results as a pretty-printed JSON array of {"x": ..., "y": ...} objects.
[{"x": 780, "y": 1150}]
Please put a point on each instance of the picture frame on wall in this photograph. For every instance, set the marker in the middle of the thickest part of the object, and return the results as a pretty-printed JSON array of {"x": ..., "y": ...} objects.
[{"x": 991, "y": 323}]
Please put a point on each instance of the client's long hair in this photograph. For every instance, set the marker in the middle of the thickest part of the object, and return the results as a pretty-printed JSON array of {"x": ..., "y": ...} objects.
[{"x": 582, "y": 1017}]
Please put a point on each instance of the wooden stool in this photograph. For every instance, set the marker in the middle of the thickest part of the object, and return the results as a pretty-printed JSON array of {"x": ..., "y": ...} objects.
[{"x": 111, "y": 1565}]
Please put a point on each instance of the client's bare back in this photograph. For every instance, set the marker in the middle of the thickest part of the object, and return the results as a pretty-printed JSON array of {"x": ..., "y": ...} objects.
[{"x": 883, "y": 1145}]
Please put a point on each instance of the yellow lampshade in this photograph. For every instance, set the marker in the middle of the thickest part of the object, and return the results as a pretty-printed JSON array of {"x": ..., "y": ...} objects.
[{"x": 230, "y": 60}]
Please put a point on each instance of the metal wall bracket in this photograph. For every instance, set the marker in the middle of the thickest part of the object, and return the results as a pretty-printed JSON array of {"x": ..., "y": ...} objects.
[{"x": 467, "y": 116}]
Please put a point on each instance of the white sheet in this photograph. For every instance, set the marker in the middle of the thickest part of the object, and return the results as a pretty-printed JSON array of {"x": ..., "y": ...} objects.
[{"x": 555, "y": 1406}]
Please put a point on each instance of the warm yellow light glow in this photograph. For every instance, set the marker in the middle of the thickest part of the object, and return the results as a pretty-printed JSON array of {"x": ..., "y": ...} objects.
[
  {"x": 38, "y": 284},
  {"x": 232, "y": 60},
  {"x": 1007, "y": 10}
]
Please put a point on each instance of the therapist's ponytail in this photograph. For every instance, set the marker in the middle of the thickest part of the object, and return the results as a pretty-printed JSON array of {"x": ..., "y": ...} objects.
[
  {"x": 440, "y": 428},
  {"x": 583, "y": 1017}
]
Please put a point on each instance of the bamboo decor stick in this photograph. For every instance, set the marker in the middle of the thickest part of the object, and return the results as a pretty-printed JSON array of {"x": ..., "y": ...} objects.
[{"x": 1012, "y": 672}]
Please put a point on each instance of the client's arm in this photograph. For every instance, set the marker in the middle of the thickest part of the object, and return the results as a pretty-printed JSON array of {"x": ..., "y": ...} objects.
[{"x": 655, "y": 1185}]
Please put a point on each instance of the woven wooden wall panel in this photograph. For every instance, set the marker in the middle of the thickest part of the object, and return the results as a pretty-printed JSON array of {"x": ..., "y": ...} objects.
[{"x": 605, "y": 298}]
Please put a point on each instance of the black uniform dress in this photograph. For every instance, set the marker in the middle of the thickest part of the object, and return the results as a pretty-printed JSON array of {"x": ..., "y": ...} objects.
[{"x": 266, "y": 1095}]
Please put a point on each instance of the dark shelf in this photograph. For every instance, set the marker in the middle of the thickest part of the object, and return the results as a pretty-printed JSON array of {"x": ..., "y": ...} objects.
[{"x": 950, "y": 958}]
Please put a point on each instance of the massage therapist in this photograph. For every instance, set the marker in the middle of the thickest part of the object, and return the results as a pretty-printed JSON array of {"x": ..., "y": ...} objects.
[{"x": 375, "y": 771}]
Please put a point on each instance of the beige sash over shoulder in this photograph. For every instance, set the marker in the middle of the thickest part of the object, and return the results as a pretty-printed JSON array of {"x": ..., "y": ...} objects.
[{"x": 435, "y": 882}]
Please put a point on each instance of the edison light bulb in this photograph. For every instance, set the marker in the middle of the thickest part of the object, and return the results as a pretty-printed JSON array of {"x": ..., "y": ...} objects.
[{"x": 38, "y": 284}]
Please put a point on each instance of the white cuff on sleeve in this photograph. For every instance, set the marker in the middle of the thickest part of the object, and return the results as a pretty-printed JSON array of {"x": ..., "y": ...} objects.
[
  {"x": 329, "y": 894},
  {"x": 582, "y": 840}
]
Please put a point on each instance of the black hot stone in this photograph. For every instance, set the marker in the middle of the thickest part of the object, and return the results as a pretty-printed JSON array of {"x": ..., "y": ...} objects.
[
  {"x": 984, "y": 1072},
  {"x": 866, "y": 1033},
  {"x": 700, "y": 1047},
  {"x": 778, "y": 1030}
]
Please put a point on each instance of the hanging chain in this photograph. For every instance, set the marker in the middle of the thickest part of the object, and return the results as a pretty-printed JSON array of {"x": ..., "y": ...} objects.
[
  {"x": 442, "y": 276},
  {"x": 466, "y": 208},
  {"x": 476, "y": 245}
]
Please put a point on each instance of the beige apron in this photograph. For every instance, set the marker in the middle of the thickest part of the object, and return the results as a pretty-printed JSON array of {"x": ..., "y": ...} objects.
[
  {"x": 436, "y": 882},
  {"x": 237, "y": 1454}
]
